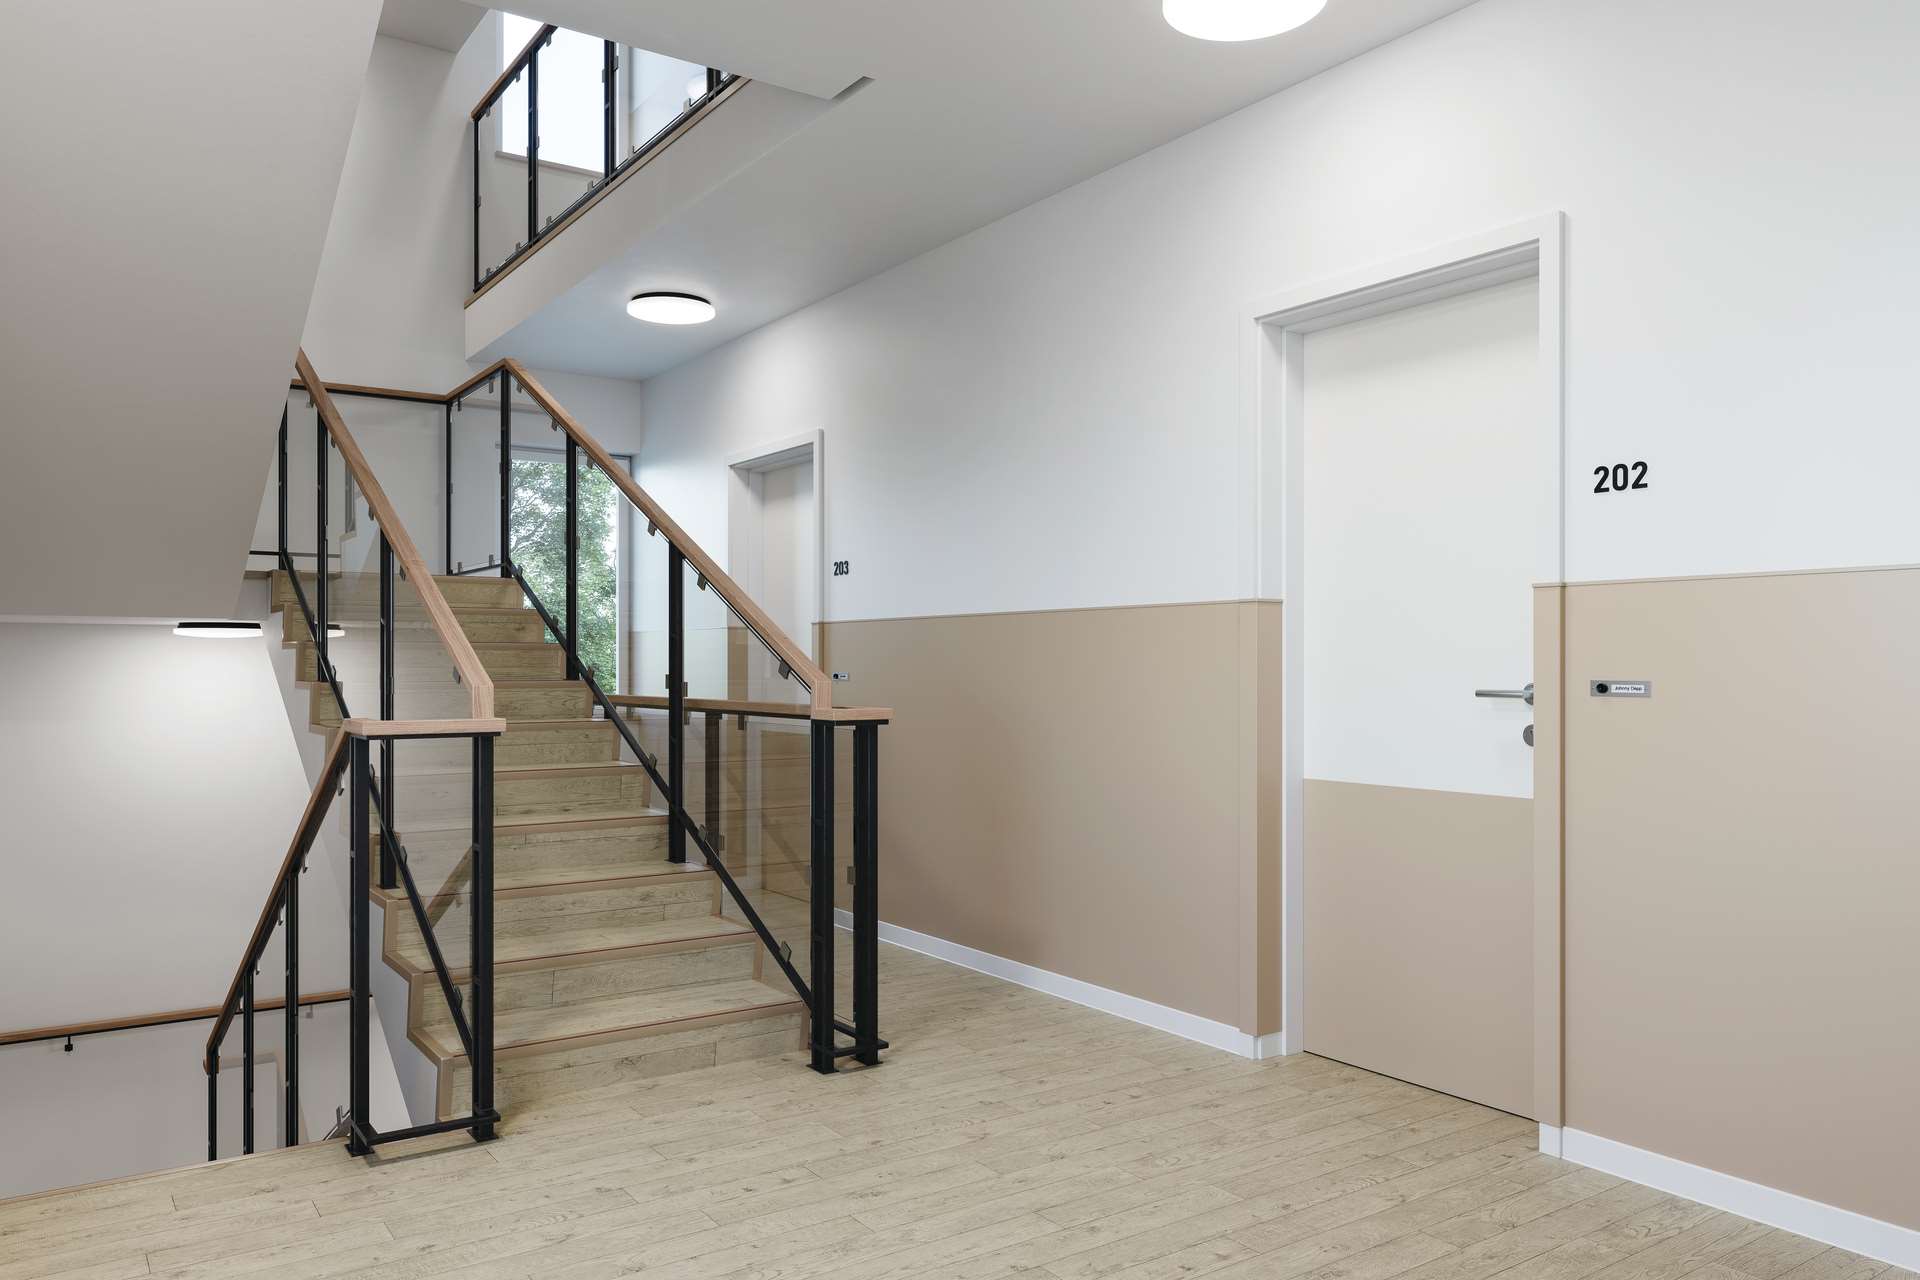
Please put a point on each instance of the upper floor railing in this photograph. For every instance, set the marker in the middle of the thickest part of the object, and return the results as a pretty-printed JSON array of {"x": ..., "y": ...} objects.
[{"x": 568, "y": 117}]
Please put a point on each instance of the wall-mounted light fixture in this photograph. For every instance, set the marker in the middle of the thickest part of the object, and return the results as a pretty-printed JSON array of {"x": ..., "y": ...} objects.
[
  {"x": 670, "y": 308},
  {"x": 1238, "y": 19},
  {"x": 219, "y": 630}
]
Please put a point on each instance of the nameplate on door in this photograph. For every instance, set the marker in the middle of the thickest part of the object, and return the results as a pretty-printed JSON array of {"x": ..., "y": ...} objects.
[{"x": 1620, "y": 688}]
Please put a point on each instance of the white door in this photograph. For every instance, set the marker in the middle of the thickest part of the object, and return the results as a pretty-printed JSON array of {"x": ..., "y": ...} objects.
[{"x": 1421, "y": 488}]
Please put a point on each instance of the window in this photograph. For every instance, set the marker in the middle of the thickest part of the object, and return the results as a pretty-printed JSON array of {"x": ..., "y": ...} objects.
[
  {"x": 571, "y": 104},
  {"x": 539, "y": 501}
]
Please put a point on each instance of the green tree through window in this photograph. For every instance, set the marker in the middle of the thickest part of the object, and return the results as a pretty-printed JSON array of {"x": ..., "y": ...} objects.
[{"x": 540, "y": 549}]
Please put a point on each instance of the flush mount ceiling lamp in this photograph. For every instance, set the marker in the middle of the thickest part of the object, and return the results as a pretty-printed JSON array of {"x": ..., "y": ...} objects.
[
  {"x": 1238, "y": 19},
  {"x": 670, "y": 308},
  {"x": 218, "y": 630}
]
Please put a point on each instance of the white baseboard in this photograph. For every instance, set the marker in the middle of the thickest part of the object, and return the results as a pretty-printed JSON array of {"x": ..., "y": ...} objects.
[
  {"x": 1842, "y": 1228},
  {"x": 1189, "y": 1026},
  {"x": 1552, "y": 1140}
]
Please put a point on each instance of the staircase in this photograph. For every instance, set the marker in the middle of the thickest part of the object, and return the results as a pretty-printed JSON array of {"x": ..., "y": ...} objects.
[{"x": 611, "y": 962}]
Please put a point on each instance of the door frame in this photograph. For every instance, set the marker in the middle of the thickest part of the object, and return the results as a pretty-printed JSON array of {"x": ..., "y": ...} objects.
[
  {"x": 743, "y": 513},
  {"x": 1276, "y": 326}
]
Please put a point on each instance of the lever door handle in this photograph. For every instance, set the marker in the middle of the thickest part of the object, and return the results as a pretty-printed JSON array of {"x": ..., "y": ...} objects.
[{"x": 1524, "y": 694}]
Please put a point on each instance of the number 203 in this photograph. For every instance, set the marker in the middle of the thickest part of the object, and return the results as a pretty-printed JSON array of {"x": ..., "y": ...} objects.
[{"x": 1620, "y": 477}]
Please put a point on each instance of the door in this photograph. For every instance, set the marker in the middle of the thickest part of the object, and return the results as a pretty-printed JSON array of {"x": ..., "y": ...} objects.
[
  {"x": 1420, "y": 488},
  {"x": 774, "y": 548}
]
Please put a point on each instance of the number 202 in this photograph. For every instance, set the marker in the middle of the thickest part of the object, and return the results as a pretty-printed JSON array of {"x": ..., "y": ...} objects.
[{"x": 1617, "y": 479}]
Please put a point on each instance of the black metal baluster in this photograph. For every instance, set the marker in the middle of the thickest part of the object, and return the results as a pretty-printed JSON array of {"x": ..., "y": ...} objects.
[
  {"x": 676, "y": 705},
  {"x": 572, "y": 638},
  {"x": 325, "y": 671},
  {"x": 866, "y": 892},
  {"x": 481, "y": 959},
  {"x": 476, "y": 203},
  {"x": 281, "y": 457},
  {"x": 533, "y": 145},
  {"x": 246, "y": 1064},
  {"x": 213, "y": 1104},
  {"x": 447, "y": 509},
  {"x": 359, "y": 1031},
  {"x": 506, "y": 474},
  {"x": 712, "y": 780},
  {"x": 290, "y": 900},
  {"x": 388, "y": 784},
  {"x": 820, "y": 898},
  {"x": 609, "y": 124}
]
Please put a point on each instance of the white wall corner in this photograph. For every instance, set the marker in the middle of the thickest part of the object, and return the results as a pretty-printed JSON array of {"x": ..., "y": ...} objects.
[
  {"x": 1830, "y": 1224},
  {"x": 1188, "y": 1026}
]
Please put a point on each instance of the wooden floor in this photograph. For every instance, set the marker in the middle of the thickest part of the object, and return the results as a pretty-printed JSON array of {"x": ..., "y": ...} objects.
[{"x": 1009, "y": 1133}]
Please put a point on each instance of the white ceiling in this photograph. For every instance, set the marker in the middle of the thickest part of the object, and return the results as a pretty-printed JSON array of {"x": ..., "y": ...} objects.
[
  {"x": 972, "y": 111},
  {"x": 438, "y": 24}
]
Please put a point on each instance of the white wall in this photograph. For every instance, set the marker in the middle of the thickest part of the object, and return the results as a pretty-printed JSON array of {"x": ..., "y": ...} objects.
[
  {"x": 1047, "y": 413},
  {"x": 151, "y": 785},
  {"x": 172, "y": 167}
]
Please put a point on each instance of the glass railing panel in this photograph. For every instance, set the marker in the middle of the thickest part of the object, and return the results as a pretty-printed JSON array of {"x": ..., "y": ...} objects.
[
  {"x": 728, "y": 659},
  {"x": 473, "y": 477},
  {"x": 500, "y": 157},
  {"x": 572, "y": 114},
  {"x": 660, "y": 90},
  {"x": 428, "y": 788}
]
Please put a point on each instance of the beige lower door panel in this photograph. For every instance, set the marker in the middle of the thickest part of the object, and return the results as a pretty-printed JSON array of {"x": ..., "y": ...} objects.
[{"x": 1419, "y": 937}]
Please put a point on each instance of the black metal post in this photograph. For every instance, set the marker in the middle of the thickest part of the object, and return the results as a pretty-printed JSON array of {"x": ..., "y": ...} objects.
[
  {"x": 481, "y": 959},
  {"x": 282, "y": 459},
  {"x": 290, "y": 904},
  {"x": 820, "y": 897},
  {"x": 609, "y": 126},
  {"x": 506, "y": 474},
  {"x": 246, "y": 1064},
  {"x": 213, "y": 1106},
  {"x": 359, "y": 1082},
  {"x": 712, "y": 780},
  {"x": 476, "y": 203},
  {"x": 676, "y": 704},
  {"x": 325, "y": 671},
  {"x": 573, "y": 557},
  {"x": 533, "y": 144},
  {"x": 866, "y": 892},
  {"x": 447, "y": 510},
  {"x": 388, "y": 784}
]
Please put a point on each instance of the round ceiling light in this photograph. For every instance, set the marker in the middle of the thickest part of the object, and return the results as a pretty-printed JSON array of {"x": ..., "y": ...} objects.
[
  {"x": 218, "y": 630},
  {"x": 670, "y": 308},
  {"x": 1238, "y": 19}
]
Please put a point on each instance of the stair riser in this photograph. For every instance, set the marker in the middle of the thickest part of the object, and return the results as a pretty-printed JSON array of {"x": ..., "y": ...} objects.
[
  {"x": 427, "y": 665},
  {"x": 362, "y": 590},
  {"x": 435, "y": 799},
  {"x": 544, "y": 914},
  {"x": 522, "y": 1081},
  {"x": 545, "y": 988},
  {"x": 413, "y": 626},
  {"x": 587, "y": 744},
  {"x": 449, "y": 702},
  {"x": 563, "y": 854}
]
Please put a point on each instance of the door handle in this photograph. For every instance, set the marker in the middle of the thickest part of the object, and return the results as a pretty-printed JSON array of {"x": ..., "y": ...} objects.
[{"x": 1524, "y": 694}]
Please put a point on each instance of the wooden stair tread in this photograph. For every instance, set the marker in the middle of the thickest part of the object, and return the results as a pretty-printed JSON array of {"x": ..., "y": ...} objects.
[
  {"x": 623, "y": 1015},
  {"x": 577, "y": 879},
  {"x": 565, "y": 944},
  {"x": 506, "y": 824}
]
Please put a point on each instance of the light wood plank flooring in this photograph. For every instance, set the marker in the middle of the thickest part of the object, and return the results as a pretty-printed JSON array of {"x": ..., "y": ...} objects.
[{"x": 1009, "y": 1133}]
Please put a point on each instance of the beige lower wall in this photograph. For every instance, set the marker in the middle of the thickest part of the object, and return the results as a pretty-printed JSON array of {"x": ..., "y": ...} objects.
[
  {"x": 1743, "y": 879},
  {"x": 1087, "y": 791}
]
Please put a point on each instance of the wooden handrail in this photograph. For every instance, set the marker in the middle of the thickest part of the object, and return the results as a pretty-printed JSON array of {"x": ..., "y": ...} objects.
[
  {"x": 303, "y": 836},
  {"x": 465, "y": 661},
  {"x": 141, "y": 1021},
  {"x": 514, "y": 68},
  {"x": 820, "y": 702},
  {"x": 703, "y": 564},
  {"x": 741, "y": 707}
]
